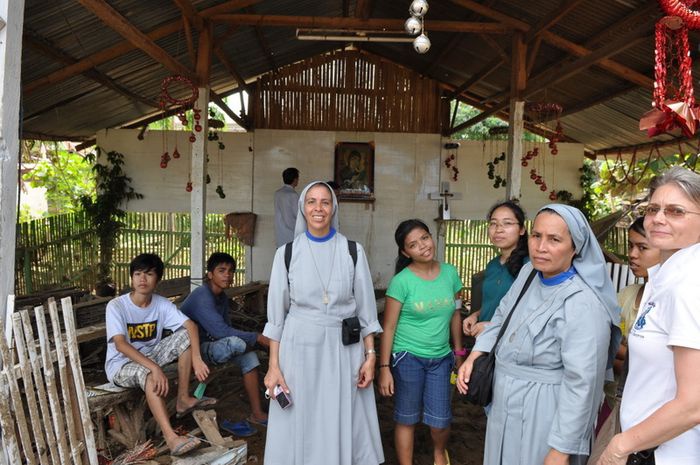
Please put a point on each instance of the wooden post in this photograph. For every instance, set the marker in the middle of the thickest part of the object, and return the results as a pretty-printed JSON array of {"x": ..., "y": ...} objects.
[
  {"x": 12, "y": 12},
  {"x": 198, "y": 203},
  {"x": 518, "y": 81}
]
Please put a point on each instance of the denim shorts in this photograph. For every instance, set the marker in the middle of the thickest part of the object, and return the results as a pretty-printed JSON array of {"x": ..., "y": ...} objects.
[
  {"x": 230, "y": 349},
  {"x": 422, "y": 385}
]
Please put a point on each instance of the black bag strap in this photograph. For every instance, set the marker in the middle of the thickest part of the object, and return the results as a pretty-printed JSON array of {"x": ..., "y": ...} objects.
[
  {"x": 352, "y": 250},
  {"x": 505, "y": 323}
]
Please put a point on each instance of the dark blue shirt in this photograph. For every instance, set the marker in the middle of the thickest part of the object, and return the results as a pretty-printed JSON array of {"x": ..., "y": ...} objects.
[{"x": 211, "y": 313}]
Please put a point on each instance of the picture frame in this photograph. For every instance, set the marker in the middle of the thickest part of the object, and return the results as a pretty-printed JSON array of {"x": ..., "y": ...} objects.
[{"x": 354, "y": 171}]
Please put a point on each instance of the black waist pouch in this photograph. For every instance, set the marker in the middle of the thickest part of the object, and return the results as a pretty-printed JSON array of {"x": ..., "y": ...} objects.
[
  {"x": 643, "y": 457},
  {"x": 351, "y": 330}
]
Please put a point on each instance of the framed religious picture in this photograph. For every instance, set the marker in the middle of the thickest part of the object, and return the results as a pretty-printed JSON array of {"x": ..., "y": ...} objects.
[{"x": 354, "y": 171}]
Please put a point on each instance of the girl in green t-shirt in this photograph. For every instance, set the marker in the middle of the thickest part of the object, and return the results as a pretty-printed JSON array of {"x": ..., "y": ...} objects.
[{"x": 416, "y": 359}]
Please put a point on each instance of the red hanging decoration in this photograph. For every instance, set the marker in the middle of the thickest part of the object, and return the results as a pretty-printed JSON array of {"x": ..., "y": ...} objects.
[
  {"x": 674, "y": 99},
  {"x": 683, "y": 10}
]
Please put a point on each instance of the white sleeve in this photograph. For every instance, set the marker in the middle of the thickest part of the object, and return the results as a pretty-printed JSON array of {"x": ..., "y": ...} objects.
[{"x": 277, "y": 297}]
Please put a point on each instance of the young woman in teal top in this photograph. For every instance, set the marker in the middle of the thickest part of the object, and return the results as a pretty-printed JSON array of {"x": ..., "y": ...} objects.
[
  {"x": 507, "y": 232},
  {"x": 416, "y": 359}
]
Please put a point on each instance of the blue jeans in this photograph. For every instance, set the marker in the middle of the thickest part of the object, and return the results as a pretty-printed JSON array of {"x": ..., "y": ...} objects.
[
  {"x": 230, "y": 349},
  {"x": 422, "y": 386}
]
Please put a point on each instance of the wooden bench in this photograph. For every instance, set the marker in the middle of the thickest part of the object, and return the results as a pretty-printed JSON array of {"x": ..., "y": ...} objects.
[{"x": 128, "y": 405}]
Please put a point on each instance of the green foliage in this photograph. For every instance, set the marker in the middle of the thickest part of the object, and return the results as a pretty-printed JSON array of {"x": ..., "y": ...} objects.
[
  {"x": 106, "y": 207},
  {"x": 480, "y": 131},
  {"x": 609, "y": 184},
  {"x": 64, "y": 174}
]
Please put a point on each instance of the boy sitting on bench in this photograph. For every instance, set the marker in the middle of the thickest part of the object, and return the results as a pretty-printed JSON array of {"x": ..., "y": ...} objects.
[
  {"x": 208, "y": 306},
  {"x": 136, "y": 349}
]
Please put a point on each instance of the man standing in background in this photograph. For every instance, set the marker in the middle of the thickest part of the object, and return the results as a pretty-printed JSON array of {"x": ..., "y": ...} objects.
[{"x": 286, "y": 207}]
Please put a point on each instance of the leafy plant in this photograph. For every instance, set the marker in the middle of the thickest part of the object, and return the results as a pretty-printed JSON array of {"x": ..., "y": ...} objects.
[
  {"x": 106, "y": 207},
  {"x": 64, "y": 174},
  {"x": 480, "y": 130}
]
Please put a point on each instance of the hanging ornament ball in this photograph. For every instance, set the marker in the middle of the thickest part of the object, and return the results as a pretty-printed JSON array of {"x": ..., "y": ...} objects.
[
  {"x": 418, "y": 8},
  {"x": 533, "y": 176},
  {"x": 221, "y": 146},
  {"x": 208, "y": 179},
  {"x": 554, "y": 151},
  {"x": 198, "y": 127},
  {"x": 523, "y": 163},
  {"x": 188, "y": 187},
  {"x": 413, "y": 26},
  {"x": 543, "y": 187},
  {"x": 552, "y": 196},
  {"x": 421, "y": 44},
  {"x": 176, "y": 154},
  {"x": 193, "y": 138},
  {"x": 539, "y": 182},
  {"x": 164, "y": 164},
  {"x": 536, "y": 151}
]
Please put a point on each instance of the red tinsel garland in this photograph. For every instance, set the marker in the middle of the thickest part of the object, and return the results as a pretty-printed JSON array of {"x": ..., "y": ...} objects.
[{"x": 682, "y": 9}]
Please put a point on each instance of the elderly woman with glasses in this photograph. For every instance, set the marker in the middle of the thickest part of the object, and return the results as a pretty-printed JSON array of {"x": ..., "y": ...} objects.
[
  {"x": 551, "y": 360},
  {"x": 660, "y": 412}
]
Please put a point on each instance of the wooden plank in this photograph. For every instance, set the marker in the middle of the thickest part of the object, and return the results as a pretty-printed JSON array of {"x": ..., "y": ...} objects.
[
  {"x": 7, "y": 422},
  {"x": 79, "y": 384},
  {"x": 371, "y": 24},
  {"x": 17, "y": 404},
  {"x": 49, "y": 430},
  {"x": 76, "y": 446},
  {"x": 29, "y": 391}
]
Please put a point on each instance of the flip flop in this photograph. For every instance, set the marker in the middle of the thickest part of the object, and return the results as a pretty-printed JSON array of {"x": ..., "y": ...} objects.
[
  {"x": 252, "y": 419},
  {"x": 202, "y": 403},
  {"x": 447, "y": 458},
  {"x": 185, "y": 447},
  {"x": 242, "y": 428}
]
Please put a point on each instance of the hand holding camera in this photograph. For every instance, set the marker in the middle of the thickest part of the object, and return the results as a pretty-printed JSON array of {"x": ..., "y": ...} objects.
[{"x": 283, "y": 398}]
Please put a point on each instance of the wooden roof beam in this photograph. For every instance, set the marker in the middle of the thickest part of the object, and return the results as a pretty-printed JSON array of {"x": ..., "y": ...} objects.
[
  {"x": 231, "y": 68},
  {"x": 328, "y": 22},
  {"x": 123, "y": 27},
  {"x": 454, "y": 41},
  {"x": 189, "y": 13},
  {"x": 533, "y": 33},
  {"x": 363, "y": 9},
  {"x": 597, "y": 100},
  {"x": 644, "y": 146},
  {"x": 43, "y": 46},
  {"x": 219, "y": 101},
  {"x": 500, "y": 51},
  {"x": 120, "y": 49},
  {"x": 562, "y": 72},
  {"x": 560, "y": 42}
]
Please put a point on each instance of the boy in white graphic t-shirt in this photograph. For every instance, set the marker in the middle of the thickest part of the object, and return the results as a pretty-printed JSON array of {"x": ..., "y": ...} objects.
[{"x": 136, "y": 349}]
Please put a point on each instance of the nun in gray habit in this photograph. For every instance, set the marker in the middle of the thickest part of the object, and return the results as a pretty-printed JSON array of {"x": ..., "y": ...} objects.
[
  {"x": 332, "y": 420},
  {"x": 551, "y": 361}
]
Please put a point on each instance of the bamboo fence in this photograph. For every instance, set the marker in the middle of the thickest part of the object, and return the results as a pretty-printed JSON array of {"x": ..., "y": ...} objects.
[
  {"x": 468, "y": 248},
  {"x": 63, "y": 250},
  {"x": 347, "y": 90}
]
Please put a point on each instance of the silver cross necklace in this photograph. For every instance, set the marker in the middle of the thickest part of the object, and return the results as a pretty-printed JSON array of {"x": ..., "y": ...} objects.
[{"x": 326, "y": 300}]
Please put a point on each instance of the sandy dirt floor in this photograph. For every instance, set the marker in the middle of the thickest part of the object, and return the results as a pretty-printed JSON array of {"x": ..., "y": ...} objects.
[{"x": 465, "y": 446}]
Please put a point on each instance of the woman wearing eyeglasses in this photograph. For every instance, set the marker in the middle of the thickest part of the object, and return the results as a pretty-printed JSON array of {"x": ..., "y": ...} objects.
[
  {"x": 660, "y": 412},
  {"x": 507, "y": 232}
]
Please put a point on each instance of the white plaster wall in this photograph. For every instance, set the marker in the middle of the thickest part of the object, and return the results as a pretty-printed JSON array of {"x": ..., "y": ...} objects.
[
  {"x": 561, "y": 172},
  {"x": 407, "y": 168}
]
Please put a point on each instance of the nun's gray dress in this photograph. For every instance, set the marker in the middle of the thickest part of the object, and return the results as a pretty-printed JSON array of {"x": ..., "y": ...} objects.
[
  {"x": 550, "y": 367},
  {"x": 331, "y": 421}
]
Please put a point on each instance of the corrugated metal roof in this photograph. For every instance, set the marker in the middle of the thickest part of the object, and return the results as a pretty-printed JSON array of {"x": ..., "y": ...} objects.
[{"x": 79, "y": 106}]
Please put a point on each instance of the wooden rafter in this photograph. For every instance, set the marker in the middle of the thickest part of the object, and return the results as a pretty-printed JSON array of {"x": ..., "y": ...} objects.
[
  {"x": 644, "y": 146},
  {"x": 113, "y": 19},
  {"x": 189, "y": 13},
  {"x": 371, "y": 24},
  {"x": 500, "y": 51},
  {"x": 533, "y": 34},
  {"x": 559, "y": 73},
  {"x": 43, "y": 46},
  {"x": 346, "y": 8},
  {"x": 219, "y": 101},
  {"x": 122, "y": 48},
  {"x": 454, "y": 41},
  {"x": 363, "y": 9},
  {"x": 189, "y": 40},
  {"x": 560, "y": 42}
]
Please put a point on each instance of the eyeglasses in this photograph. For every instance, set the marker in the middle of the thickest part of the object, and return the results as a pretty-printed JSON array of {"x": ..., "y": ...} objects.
[
  {"x": 502, "y": 224},
  {"x": 670, "y": 211}
]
